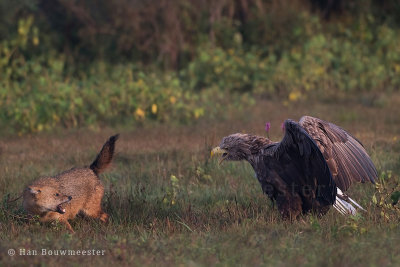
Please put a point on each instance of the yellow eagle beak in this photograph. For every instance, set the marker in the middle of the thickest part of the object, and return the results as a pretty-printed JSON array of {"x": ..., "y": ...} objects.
[{"x": 218, "y": 151}]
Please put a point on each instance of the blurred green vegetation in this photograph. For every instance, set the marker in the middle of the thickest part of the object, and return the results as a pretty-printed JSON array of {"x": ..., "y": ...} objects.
[{"x": 83, "y": 63}]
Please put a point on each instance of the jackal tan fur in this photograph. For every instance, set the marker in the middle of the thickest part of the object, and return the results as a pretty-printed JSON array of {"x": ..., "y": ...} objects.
[{"x": 74, "y": 191}]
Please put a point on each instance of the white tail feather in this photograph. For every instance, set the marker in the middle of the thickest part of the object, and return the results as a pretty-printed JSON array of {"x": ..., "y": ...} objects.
[
  {"x": 344, "y": 207},
  {"x": 355, "y": 203}
]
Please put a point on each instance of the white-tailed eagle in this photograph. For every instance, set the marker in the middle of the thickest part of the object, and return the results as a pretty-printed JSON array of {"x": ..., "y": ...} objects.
[{"x": 309, "y": 170}]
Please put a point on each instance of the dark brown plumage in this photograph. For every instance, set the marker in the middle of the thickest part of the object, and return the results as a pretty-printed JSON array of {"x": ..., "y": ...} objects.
[{"x": 302, "y": 172}]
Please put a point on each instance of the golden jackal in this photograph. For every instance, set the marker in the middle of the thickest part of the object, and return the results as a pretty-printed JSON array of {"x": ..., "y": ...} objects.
[{"x": 78, "y": 190}]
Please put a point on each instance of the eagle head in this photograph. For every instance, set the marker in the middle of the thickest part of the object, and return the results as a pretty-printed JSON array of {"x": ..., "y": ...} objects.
[{"x": 239, "y": 146}]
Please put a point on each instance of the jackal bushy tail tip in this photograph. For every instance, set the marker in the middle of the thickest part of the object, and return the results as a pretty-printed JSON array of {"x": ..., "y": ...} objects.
[
  {"x": 113, "y": 138},
  {"x": 105, "y": 156}
]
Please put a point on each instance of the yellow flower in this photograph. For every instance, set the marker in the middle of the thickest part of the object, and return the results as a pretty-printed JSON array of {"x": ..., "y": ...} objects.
[
  {"x": 139, "y": 113},
  {"x": 21, "y": 30},
  {"x": 140, "y": 83},
  {"x": 35, "y": 41},
  {"x": 56, "y": 118},
  {"x": 397, "y": 67},
  {"x": 198, "y": 112},
  {"x": 40, "y": 127},
  {"x": 154, "y": 108},
  {"x": 218, "y": 70},
  {"x": 294, "y": 96},
  {"x": 172, "y": 99}
]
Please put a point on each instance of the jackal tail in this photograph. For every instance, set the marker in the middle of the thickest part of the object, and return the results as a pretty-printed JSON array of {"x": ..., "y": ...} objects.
[{"x": 105, "y": 156}]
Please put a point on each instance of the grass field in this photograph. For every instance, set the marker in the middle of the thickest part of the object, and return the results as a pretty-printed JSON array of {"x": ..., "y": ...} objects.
[{"x": 171, "y": 205}]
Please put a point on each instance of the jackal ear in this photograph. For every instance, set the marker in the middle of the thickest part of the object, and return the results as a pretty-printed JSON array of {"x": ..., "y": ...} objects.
[{"x": 34, "y": 190}]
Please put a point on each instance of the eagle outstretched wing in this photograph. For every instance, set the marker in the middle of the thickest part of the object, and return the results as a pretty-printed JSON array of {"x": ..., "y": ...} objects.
[
  {"x": 302, "y": 163},
  {"x": 345, "y": 155}
]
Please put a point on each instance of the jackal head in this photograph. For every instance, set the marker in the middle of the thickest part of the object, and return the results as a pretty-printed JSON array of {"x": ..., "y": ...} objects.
[{"x": 39, "y": 199}]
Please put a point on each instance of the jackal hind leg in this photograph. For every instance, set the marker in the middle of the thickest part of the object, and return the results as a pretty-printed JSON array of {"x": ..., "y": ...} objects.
[{"x": 93, "y": 206}]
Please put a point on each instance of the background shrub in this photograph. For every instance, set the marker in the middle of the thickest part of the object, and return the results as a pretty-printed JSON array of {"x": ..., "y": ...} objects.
[{"x": 81, "y": 63}]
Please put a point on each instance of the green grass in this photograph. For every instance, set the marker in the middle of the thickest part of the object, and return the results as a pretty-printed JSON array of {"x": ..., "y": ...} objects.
[{"x": 210, "y": 215}]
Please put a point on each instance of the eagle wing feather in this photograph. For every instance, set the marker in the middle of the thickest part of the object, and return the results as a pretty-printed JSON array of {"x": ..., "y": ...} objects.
[{"x": 346, "y": 157}]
